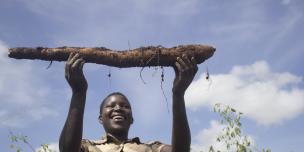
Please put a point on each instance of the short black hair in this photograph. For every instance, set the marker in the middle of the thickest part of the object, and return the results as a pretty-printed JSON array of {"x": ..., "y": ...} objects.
[{"x": 111, "y": 94}]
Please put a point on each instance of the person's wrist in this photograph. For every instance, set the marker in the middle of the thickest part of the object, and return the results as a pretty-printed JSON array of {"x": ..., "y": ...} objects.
[
  {"x": 80, "y": 91},
  {"x": 178, "y": 92}
]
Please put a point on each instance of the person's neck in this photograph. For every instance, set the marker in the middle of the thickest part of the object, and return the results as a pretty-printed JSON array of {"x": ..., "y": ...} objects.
[{"x": 119, "y": 136}]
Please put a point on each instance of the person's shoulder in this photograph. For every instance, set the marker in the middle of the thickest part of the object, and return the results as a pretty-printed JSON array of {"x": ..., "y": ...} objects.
[
  {"x": 157, "y": 146},
  {"x": 92, "y": 142},
  {"x": 155, "y": 142},
  {"x": 88, "y": 145}
]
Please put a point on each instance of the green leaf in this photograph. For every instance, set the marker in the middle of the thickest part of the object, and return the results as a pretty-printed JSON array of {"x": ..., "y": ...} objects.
[{"x": 211, "y": 149}]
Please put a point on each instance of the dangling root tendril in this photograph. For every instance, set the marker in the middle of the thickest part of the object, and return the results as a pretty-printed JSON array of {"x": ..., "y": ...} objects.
[
  {"x": 161, "y": 86},
  {"x": 49, "y": 65}
]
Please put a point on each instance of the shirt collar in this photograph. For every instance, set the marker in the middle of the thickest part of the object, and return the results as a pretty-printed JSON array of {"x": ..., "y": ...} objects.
[{"x": 108, "y": 138}]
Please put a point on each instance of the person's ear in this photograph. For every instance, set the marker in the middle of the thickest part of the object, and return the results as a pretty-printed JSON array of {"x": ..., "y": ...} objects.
[
  {"x": 132, "y": 120},
  {"x": 100, "y": 119}
]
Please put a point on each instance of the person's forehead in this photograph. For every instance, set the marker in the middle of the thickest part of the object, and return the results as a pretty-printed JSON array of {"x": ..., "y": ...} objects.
[{"x": 117, "y": 98}]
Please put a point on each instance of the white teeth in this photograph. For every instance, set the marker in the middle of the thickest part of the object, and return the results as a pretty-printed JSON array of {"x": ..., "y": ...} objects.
[{"x": 118, "y": 118}]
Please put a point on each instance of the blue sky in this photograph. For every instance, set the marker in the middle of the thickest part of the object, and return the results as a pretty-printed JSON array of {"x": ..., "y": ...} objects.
[{"x": 256, "y": 69}]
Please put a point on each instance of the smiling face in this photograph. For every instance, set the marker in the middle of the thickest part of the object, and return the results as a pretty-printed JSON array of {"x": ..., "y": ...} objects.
[{"x": 116, "y": 114}]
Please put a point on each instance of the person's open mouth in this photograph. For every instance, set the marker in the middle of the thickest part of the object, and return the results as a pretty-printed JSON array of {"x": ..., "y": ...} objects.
[{"x": 118, "y": 117}]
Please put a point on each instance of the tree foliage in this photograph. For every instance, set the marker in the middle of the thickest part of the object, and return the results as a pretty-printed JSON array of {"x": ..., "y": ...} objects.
[
  {"x": 232, "y": 136},
  {"x": 21, "y": 143}
]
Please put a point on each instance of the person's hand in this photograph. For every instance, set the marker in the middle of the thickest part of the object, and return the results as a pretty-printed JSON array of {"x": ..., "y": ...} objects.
[
  {"x": 185, "y": 70},
  {"x": 74, "y": 73}
]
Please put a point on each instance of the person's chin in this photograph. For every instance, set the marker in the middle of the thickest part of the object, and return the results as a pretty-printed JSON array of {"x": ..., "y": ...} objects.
[{"x": 120, "y": 127}]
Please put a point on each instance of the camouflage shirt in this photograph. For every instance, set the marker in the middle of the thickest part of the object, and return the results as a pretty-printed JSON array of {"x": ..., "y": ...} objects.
[{"x": 111, "y": 144}]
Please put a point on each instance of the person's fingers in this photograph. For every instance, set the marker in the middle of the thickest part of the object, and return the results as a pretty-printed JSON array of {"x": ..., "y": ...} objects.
[
  {"x": 186, "y": 60},
  {"x": 67, "y": 72},
  {"x": 74, "y": 58},
  {"x": 76, "y": 65},
  {"x": 194, "y": 64},
  {"x": 189, "y": 65},
  {"x": 175, "y": 68},
  {"x": 68, "y": 65},
  {"x": 81, "y": 65},
  {"x": 178, "y": 69},
  {"x": 71, "y": 56},
  {"x": 185, "y": 68},
  {"x": 68, "y": 62},
  {"x": 181, "y": 63},
  {"x": 193, "y": 61}
]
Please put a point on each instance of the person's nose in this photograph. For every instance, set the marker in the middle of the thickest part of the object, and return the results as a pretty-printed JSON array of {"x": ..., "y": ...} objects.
[{"x": 117, "y": 107}]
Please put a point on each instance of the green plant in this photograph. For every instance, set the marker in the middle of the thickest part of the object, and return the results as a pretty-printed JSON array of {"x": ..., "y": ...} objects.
[
  {"x": 232, "y": 136},
  {"x": 18, "y": 141}
]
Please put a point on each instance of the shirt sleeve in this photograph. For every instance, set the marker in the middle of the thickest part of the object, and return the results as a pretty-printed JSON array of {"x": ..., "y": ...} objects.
[
  {"x": 85, "y": 144},
  {"x": 156, "y": 146},
  {"x": 89, "y": 146}
]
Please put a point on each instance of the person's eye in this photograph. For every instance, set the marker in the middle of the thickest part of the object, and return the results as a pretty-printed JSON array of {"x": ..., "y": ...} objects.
[
  {"x": 126, "y": 106},
  {"x": 109, "y": 106}
]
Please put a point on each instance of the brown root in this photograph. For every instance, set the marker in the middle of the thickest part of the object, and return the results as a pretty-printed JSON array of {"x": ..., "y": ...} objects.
[{"x": 140, "y": 57}]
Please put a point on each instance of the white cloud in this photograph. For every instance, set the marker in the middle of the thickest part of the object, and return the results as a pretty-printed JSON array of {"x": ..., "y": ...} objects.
[
  {"x": 262, "y": 95},
  {"x": 22, "y": 93},
  {"x": 51, "y": 146},
  {"x": 207, "y": 137}
]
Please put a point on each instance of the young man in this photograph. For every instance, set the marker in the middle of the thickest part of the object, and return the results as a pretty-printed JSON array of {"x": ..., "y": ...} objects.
[{"x": 116, "y": 114}]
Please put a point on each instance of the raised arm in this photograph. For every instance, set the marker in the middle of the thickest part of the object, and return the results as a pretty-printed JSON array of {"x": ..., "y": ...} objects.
[
  {"x": 71, "y": 135},
  {"x": 185, "y": 70}
]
